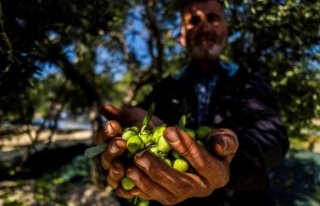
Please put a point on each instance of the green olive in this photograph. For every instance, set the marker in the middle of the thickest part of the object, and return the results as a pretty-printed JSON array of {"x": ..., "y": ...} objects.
[
  {"x": 175, "y": 154},
  {"x": 144, "y": 203},
  {"x": 190, "y": 132},
  {"x": 132, "y": 128},
  {"x": 163, "y": 145},
  {"x": 154, "y": 150},
  {"x": 128, "y": 133},
  {"x": 203, "y": 132},
  {"x": 127, "y": 183},
  {"x": 168, "y": 161},
  {"x": 146, "y": 136},
  {"x": 157, "y": 133},
  {"x": 181, "y": 165},
  {"x": 157, "y": 127},
  {"x": 135, "y": 144}
]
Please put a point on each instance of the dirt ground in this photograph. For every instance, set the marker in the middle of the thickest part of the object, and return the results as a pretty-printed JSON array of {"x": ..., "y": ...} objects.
[
  {"x": 81, "y": 195},
  {"x": 9, "y": 147},
  {"x": 16, "y": 145}
]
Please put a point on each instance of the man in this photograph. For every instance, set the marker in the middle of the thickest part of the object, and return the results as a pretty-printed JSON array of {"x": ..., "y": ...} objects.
[{"x": 248, "y": 136}]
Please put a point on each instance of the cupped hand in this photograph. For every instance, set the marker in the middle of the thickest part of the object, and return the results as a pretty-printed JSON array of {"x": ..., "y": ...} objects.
[
  {"x": 118, "y": 118},
  {"x": 155, "y": 180}
]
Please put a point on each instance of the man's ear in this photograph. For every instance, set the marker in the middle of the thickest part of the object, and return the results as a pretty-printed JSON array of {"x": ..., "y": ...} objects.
[{"x": 182, "y": 39}]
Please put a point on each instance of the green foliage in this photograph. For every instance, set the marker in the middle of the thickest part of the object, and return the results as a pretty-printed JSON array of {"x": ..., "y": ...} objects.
[
  {"x": 78, "y": 169},
  {"x": 52, "y": 188},
  {"x": 65, "y": 34},
  {"x": 20, "y": 106},
  {"x": 280, "y": 38},
  {"x": 301, "y": 104}
]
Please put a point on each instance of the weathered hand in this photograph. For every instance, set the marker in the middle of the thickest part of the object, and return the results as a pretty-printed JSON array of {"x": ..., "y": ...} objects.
[
  {"x": 116, "y": 147},
  {"x": 155, "y": 180},
  {"x": 111, "y": 133}
]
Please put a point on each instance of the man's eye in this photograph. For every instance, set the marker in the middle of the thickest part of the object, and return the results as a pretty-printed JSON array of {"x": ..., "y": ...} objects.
[
  {"x": 195, "y": 20},
  {"x": 212, "y": 18}
]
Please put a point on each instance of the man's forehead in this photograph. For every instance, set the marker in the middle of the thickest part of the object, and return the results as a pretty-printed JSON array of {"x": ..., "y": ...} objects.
[{"x": 196, "y": 7}]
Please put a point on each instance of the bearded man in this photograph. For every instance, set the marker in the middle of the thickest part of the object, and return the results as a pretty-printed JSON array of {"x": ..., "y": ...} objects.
[{"x": 248, "y": 137}]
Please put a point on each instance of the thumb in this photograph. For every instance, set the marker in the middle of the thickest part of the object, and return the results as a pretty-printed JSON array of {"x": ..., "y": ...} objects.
[{"x": 224, "y": 143}]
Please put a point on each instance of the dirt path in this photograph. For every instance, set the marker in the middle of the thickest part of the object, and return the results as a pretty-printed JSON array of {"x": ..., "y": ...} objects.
[
  {"x": 77, "y": 195},
  {"x": 17, "y": 145}
]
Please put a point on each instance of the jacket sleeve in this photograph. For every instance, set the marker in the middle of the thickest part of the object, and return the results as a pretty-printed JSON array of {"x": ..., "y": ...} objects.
[{"x": 263, "y": 139}]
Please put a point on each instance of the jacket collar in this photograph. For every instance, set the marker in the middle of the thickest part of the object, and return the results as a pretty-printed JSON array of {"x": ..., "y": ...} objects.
[{"x": 224, "y": 67}]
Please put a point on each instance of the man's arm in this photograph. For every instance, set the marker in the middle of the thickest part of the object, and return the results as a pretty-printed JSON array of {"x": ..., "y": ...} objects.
[{"x": 263, "y": 139}]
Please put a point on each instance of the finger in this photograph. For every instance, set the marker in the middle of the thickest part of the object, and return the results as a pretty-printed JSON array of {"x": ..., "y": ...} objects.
[
  {"x": 124, "y": 193},
  {"x": 116, "y": 148},
  {"x": 129, "y": 116},
  {"x": 224, "y": 143},
  {"x": 147, "y": 187},
  {"x": 111, "y": 111},
  {"x": 115, "y": 174},
  {"x": 180, "y": 185},
  {"x": 138, "y": 193},
  {"x": 109, "y": 130},
  {"x": 133, "y": 193},
  {"x": 180, "y": 141},
  {"x": 213, "y": 170}
]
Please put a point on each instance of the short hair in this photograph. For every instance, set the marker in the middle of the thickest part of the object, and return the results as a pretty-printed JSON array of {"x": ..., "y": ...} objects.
[{"x": 185, "y": 3}]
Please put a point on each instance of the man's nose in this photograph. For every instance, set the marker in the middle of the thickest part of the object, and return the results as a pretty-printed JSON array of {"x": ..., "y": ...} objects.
[{"x": 206, "y": 27}]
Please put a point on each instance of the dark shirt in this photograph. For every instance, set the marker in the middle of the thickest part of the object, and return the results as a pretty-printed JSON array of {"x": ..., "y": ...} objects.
[{"x": 241, "y": 100}]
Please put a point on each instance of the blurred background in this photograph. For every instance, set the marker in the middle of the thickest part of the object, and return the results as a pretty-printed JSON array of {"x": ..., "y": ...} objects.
[{"x": 61, "y": 61}]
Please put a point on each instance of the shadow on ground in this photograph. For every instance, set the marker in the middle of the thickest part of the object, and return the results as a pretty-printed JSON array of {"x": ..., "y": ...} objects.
[{"x": 296, "y": 181}]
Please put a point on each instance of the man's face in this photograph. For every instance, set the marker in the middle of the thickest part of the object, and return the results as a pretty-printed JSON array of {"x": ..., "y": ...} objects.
[{"x": 204, "y": 31}]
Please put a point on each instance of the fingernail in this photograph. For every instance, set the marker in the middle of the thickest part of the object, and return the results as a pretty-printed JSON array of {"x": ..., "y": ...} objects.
[
  {"x": 223, "y": 143},
  {"x": 142, "y": 161},
  {"x": 115, "y": 147},
  {"x": 172, "y": 136},
  {"x": 110, "y": 129},
  {"x": 115, "y": 169},
  {"x": 133, "y": 174}
]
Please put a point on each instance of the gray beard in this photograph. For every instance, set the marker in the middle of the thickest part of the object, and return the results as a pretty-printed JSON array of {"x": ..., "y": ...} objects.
[{"x": 206, "y": 53}]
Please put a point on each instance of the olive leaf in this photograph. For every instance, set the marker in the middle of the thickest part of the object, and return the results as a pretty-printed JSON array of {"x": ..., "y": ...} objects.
[
  {"x": 182, "y": 121},
  {"x": 148, "y": 117},
  {"x": 95, "y": 150}
]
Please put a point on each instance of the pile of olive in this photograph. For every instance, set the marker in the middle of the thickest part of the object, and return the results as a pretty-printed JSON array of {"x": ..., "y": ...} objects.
[{"x": 154, "y": 141}]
